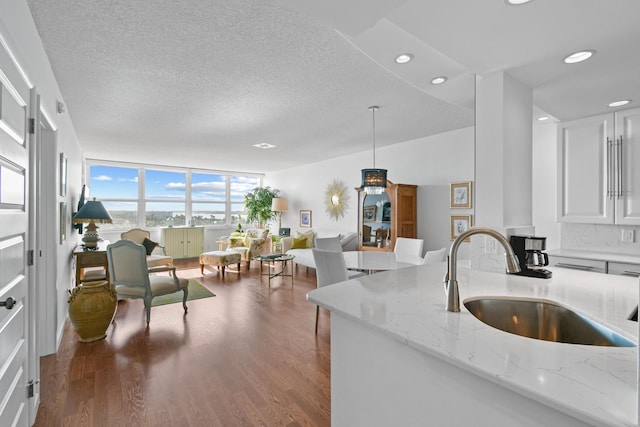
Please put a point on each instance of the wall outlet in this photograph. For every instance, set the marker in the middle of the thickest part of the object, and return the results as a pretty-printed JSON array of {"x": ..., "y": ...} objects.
[
  {"x": 628, "y": 236},
  {"x": 491, "y": 245}
]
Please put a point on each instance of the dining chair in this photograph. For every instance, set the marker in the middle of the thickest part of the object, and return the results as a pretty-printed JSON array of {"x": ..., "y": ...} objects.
[
  {"x": 432, "y": 257},
  {"x": 329, "y": 243},
  {"x": 408, "y": 247},
  {"x": 129, "y": 273},
  {"x": 330, "y": 269}
]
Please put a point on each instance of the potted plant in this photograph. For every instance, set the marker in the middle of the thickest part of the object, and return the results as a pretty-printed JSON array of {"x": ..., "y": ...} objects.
[{"x": 257, "y": 205}]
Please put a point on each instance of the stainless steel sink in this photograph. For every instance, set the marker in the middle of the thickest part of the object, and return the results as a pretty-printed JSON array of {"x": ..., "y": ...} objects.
[{"x": 543, "y": 320}]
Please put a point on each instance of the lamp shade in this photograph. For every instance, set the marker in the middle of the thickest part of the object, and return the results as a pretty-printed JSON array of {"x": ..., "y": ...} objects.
[
  {"x": 374, "y": 181},
  {"x": 279, "y": 204},
  {"x": 92, "y": 211}
]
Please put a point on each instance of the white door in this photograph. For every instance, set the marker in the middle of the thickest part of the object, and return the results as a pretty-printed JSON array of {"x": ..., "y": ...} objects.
[
  {"x": 14, "y": 223},
  {"x": 628, "y": 201},
  {"x": 585, "y": 171}
]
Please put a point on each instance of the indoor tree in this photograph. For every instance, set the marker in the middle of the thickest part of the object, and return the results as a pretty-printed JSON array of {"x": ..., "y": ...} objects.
[{"x": 257, "y": 205}]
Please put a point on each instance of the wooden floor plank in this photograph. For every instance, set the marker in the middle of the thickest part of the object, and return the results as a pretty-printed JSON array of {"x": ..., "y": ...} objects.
[{"x": 247, "y": 356}]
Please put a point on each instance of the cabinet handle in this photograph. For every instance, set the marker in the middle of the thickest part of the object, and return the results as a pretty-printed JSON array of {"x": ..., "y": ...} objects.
[
  {"x": 609, "y": 168},
  {"x": 620, "y": 167},
  {"x": 575, "y": 266},
  {"x": 631, "y": 273}
]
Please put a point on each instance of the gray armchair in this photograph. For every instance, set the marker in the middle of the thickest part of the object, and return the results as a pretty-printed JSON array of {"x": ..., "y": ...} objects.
[{"x": 129, "y": 273}]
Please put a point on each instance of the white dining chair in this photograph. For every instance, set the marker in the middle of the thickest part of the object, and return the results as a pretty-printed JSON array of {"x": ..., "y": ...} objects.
[
  {"x": 330, "y": 269},
  {"x": 329, "y": 243},
  {"x": 432, "y": 257},
  {"x": 408, "y": 247}
]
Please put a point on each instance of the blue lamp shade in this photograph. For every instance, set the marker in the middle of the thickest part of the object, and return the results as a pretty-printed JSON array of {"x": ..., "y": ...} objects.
[
  {"x": 92, "y": 211},
  {"x": 374, "y": 181}
]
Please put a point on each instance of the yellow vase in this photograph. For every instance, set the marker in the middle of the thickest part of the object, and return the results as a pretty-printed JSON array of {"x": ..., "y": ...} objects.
[{"x": 92, "y": 306}]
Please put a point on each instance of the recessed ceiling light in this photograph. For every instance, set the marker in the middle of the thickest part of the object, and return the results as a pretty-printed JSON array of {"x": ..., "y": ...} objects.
[
  {"x": 263, "y": 145},
  {"x": 516, "y": 2},
  {"x": 543, "y": 118},
  {"x": 438, "y": 80},
  {"x": 579, "y": 56},
  {"x": 404, "y": 58},
  {"x": 619, "y": 103}
]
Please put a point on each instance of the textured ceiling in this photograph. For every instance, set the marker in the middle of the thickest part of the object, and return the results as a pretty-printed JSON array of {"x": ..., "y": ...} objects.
[{"x": 197, "y": 83}]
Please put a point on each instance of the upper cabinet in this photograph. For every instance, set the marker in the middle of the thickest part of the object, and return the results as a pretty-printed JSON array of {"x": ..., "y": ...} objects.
[
  {"x": 597, "y": 182},
  {"x": 384, "y": 217}
]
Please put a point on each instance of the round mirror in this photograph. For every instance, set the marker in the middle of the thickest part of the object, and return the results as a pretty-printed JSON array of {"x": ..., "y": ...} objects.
[{"x": 336, "y": 199}]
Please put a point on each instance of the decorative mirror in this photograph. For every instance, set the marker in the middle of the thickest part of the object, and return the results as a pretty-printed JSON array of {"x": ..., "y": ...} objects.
[{"x": 336, "y": 199}]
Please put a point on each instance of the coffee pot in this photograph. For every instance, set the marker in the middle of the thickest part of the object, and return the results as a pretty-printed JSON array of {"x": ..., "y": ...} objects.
[{"x": 532, "y": 259}]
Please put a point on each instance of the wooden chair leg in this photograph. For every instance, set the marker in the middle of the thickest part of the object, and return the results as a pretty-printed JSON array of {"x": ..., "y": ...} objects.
[
  {"x": 223, "y": 267},
  {"x": 201, "y": 269},
  {"x": 317, "y": 312}
]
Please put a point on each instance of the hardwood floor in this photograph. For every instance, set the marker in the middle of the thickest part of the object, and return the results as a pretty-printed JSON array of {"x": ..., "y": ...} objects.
[{"x": 247, "y": 356}]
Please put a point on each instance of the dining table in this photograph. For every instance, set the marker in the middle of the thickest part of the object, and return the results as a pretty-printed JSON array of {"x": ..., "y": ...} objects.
[{"x": 373, "y": 261}]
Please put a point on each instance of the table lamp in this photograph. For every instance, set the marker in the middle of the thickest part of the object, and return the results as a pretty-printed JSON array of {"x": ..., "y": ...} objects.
[
  {"x": 279, "y": 204},
  {"x": 92, "y": 212}
]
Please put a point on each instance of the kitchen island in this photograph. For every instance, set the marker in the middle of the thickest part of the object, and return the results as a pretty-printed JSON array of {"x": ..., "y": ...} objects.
[{"x": 398, "y": 358}]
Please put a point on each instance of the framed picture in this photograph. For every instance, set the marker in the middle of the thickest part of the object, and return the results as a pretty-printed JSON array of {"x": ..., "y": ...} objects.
[
  {"x": 63, "y": 175},
  {"x": 305, "y": 218},
  {"x": 369, "y": 213},
  {"x": 460, "y": 195},
  {"x": 459, "y": 224},
  {"x": 386, "y": 211},
  {"x": 63, "y": 222}
]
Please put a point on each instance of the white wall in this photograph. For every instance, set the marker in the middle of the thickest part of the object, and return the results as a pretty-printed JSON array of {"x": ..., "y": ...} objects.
[
  {"x": 19, "y": 33},
  {"x": 431, "y": 163},
  {"x": 544, "y": 186}
]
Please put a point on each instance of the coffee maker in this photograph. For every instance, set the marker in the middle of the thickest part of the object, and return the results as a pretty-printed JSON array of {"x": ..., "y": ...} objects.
[{"x": 530, "y": 256}]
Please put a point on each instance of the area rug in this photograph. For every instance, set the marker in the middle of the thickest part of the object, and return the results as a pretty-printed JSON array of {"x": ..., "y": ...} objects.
[{"x": 196, "y": 291}]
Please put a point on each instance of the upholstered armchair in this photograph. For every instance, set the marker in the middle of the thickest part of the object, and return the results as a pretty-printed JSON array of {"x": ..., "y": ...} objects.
[
  {"x": 156, "y": 255},
  {"x": 250, "y": 244},
  {"x": 129, "y": 273}
]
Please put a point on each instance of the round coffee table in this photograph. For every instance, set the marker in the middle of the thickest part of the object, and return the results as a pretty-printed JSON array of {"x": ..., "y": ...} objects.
[{"x": 272, "y": 260}]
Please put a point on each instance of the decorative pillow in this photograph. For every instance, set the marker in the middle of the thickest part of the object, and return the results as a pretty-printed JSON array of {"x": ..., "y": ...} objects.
[
  {"x": 235, "y": 242},
  {"x": 309, "y": 235},
  {"x": 149, "y": 245},
  {"x": 299, "y": 243}
]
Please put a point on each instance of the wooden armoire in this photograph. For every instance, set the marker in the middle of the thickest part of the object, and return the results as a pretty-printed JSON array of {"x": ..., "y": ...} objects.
[{"x": 385, "y": 217}]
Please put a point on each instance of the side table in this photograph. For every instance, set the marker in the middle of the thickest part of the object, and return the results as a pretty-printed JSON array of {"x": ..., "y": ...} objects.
[
  {"x": 272, "y": 263},
  {"x": 85, "y": 258}
]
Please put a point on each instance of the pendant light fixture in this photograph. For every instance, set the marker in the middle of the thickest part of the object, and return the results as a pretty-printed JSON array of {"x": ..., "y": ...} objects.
[{"x": 374, "y": 181}]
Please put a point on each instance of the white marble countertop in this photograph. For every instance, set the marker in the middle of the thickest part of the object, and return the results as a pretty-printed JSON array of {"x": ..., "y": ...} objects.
[
  {"x": 595, "y": 255},
  {"x": 594, "y": 384}
]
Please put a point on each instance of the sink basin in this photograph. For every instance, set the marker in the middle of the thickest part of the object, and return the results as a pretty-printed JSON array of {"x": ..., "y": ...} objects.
[{"x": 543, "y": 320}]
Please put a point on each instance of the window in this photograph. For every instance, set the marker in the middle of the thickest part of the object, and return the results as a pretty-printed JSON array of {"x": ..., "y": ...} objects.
[
  {"x": 208, "y": 198},
  {"x": 117, "y": 188},
  {"x": 147, "y": 196},
  {"x": 165, "y": 198},
  {"x": 239, "y": 186}
]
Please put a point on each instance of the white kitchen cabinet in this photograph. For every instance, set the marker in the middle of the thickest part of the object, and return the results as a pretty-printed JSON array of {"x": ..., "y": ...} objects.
[
  {"x": 624, "y": 269},
  {"x": 578, "y": 264},
  {"x": 597, "y": 182},
  {"x": 183, "y": 242}
]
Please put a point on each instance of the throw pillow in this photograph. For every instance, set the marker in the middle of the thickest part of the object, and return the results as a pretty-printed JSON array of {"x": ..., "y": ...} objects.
[
  {"x": 149, "y": 245},
  {"x": 299, "y": 243},
  {"x": 235, "y": 242},
  {"x": 309, "y": 235}
]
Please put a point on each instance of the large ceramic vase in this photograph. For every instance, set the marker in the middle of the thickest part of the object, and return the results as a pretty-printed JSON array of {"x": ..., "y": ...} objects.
[{"x": 92, "y": 306}]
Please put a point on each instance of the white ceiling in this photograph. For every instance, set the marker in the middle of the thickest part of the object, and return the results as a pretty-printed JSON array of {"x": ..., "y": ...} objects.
[{"x": 198, "y": 82}]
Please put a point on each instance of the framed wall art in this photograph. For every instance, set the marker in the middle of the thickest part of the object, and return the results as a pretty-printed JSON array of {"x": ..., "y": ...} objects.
[
  {"x": 460, "y": 196},
  {"x": 305, "y": 218},
  {"x": 459, "y": 224},
  {"x": 63, "y": 222},
  {"x": 63, "y": 175},
  {"x": 369, "y": 213}
]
